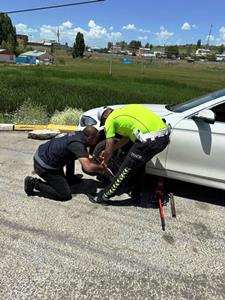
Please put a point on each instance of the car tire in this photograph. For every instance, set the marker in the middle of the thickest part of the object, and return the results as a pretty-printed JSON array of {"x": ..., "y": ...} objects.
[{"x": 116, "y": 159}]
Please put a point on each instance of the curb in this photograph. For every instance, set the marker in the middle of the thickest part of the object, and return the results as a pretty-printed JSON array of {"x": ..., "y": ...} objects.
[
  {"x": 6, "y": 127},
  {"x": 62, "y": 128}
]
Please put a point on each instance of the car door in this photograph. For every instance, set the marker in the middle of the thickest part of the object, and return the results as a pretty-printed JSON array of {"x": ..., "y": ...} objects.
[{"x": 197, "y": 148}]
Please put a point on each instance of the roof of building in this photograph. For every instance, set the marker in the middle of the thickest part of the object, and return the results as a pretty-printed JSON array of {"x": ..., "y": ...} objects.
[
  {"x": 5, "y": 51},
  {"x": 33, "y": 53}
]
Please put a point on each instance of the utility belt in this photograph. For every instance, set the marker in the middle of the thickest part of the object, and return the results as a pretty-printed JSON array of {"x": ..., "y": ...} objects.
[
  {"x": 42, "y": 163},
  {"x": 143, "y": 137}
]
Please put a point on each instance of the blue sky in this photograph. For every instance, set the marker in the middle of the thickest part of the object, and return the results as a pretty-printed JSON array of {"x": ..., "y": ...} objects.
[{"x": 157, "y": 22}]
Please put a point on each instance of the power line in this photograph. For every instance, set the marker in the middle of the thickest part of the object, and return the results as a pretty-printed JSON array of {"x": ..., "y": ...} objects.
[{"x": 50, "y": 7}]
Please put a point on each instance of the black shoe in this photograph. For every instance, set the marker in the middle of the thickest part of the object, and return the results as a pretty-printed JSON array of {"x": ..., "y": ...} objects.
[
  {"x": 99, "y": 198},
  {"x": 29, "y": 183},
  {"x": 135, "y": 196}
]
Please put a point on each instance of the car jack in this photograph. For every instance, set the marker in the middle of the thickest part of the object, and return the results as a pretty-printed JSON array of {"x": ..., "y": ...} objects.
[{"x": 161, "y": 198}]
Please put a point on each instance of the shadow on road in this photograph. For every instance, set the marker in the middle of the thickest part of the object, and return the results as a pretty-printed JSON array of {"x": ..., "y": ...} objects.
[
  {"x": 196, "y": 192},
  {"x": 180, "y": 189}
]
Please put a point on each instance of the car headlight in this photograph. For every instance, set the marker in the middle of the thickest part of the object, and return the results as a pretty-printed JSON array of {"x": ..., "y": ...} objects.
[{"x": 87, "y": 121}]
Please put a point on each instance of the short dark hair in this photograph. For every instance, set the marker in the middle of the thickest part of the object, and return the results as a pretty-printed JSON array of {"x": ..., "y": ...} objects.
[{"x": 90, "y": 131}]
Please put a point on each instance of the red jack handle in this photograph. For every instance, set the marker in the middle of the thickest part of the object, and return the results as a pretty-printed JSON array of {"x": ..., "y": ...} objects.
[{"x": 161, "y": 212}]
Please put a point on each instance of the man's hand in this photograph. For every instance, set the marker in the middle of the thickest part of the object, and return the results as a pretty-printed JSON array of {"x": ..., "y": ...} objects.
[
  {"x": 102, "y": 155},
  {"x": 108, "y": 150}
]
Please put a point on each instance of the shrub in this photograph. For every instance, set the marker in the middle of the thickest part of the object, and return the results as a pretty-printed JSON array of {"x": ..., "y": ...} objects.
[
  {"x": 69, "y": 116},
  {"x": 30, "y": 113},
  {"x": 61, "y": 61}
]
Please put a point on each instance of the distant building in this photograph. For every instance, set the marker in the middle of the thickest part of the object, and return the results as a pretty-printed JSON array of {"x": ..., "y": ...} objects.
[
  {"x": 220, "y": 57},
  {"x": 7, "y": 56},
  {"x": 35, "y": 57},
  {"x": 116, "y": 49},
  {"x": 145, "y": 52},
  {"x": 202, "y": 52},
  {"x": 22, "y": 40},
  {"x": 47, "y": 45},
  {"x": 40, "y": 46}
]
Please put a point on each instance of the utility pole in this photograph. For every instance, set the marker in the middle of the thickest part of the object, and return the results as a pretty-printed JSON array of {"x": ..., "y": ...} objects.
[
  {"x": 210, "y": 31},
  {"x": 58, "y": 35}
]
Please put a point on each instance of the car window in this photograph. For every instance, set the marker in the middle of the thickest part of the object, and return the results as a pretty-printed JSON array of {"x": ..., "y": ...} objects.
[
  {"x": 219, "y": 111},
  {"x": 195, "y": 102}
]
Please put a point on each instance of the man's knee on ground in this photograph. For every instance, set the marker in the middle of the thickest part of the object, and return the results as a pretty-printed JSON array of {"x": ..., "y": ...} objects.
[{"x": 65, "y": 197}]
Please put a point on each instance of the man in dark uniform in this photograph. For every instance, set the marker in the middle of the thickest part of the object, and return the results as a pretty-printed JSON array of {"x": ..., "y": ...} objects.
[{"x": 52, "y": 156}]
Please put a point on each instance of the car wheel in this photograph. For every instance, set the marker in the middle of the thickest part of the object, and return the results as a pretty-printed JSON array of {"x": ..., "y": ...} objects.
[{"x": 115, "y": 161}]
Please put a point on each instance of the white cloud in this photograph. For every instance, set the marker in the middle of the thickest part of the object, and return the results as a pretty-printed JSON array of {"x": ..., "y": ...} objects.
[
  {"x": 22, "y": 28},
  {"x": 91, "y": 24},
  {"x": 210, "y": 37},
  {"x": 48, "y": 32},
  {"x": 163, "y": 35},
  {"x": 143, "y": 38},
  {"x": 67, "y": 24},
  {"x": 94, "y": 34},
  {"x": 133, "y": 27},
  {"x": 116, "y": 35},
  {"x": 129, "y": 27},
  {"x": 143, "y": 30},
  {"x": 187, "y": 26},
  {"x": 98, "y": 32},
  {"x": 111, "y": 28},
  {"x": 222, "y": 35}
]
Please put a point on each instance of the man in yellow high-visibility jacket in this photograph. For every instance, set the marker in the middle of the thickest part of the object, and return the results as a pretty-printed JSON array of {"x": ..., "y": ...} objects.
[{"x": 149, "y": 134}]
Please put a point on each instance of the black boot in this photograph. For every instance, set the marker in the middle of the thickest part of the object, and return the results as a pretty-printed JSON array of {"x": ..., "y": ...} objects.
[
  {"x": 99, "y": 198},
  {"x": 29, "y": 184},
  {"x": 135, "y": 196}
]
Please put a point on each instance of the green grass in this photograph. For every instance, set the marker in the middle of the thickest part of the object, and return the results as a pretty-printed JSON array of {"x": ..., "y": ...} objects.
[{"x": 85, "y": 84}]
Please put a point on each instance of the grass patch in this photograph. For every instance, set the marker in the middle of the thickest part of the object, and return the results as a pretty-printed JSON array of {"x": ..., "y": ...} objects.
[
  {"x": 84, "y": 84},
  {"x": 30, "y": 113},
  {"x": 68, "y": 116}
]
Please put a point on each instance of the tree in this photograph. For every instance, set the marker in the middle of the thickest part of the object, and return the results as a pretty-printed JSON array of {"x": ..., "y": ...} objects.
[
  {"x": 211, "y": 57},
  {"x": 221, "y": 49},
  {"x": 135, "y": 44},
  {"x": 147, "y": 45},
  {"x": 188, "y": 50},
  {"x": 123, "y": 45},
  {"x": 199, "y": 43},
  {"x": 78, "y": 46},
  {"x": 109, "y": 45},
  {"x": 172, "y": 51},
  {"x": 7, "y": 33}
]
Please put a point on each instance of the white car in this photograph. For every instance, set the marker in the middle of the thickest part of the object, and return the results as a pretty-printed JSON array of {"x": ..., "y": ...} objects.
[{"x": 196, "y": 152}]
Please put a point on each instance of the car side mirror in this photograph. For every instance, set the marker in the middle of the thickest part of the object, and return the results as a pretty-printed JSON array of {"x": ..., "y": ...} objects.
[{"x": 206, "y": 115}]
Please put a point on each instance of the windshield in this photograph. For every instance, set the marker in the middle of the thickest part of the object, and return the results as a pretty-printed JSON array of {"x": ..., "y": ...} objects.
[{"x": 195, "y": 102}]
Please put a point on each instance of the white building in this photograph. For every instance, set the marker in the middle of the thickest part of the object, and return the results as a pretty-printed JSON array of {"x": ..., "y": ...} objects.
[
  {"x": 35, "y": 57},
  {"x": 220, "y": 57},
  {"x": 147, "y": 53},
  {"x": 6, "y": 56},
  {"x": 202, "y": 52}
]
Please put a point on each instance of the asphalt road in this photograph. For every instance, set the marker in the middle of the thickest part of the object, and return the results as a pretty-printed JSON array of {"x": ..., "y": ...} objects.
[{"x": 81, "y": 250}]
